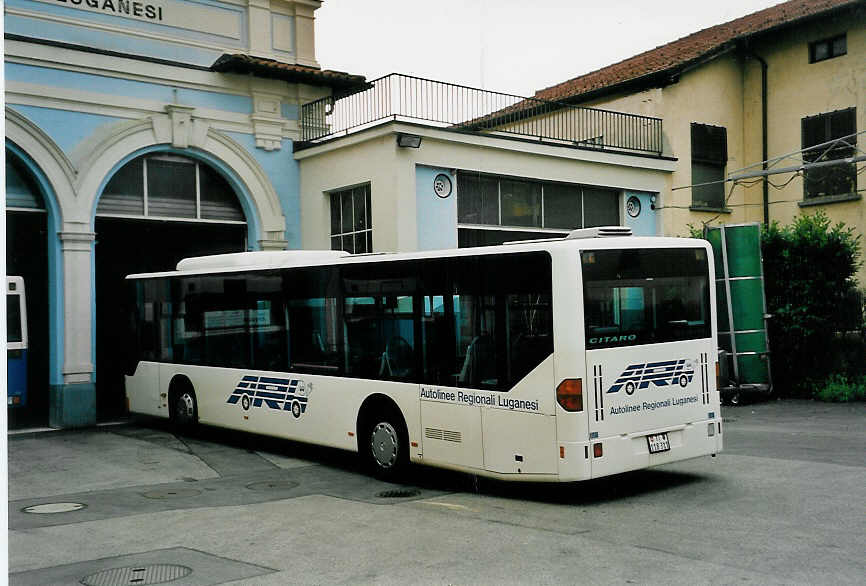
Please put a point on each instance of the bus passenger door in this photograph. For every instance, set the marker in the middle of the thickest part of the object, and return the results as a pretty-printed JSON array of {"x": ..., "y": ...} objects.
[
  {"x": 451, "y": 426},
  {"x": 520, "y": 441}
]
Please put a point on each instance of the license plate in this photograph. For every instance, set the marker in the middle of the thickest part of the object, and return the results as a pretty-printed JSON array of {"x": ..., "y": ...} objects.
[{"x": 658, "y": 442}]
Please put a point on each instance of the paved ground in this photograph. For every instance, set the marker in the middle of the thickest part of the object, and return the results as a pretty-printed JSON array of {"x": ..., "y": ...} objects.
[{"x": 782, "y": 504}]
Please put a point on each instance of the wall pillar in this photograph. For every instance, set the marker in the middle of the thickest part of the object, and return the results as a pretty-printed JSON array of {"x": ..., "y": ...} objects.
[{"x": 73, "y": 403}]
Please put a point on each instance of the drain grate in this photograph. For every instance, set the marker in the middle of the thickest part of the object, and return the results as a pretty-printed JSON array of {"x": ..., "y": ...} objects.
[
  {"x": 398, "y": 493},
  {"x": 171, "y": 493},
  {"x": 273, "y": 485},
  {"x": 138, "y": 575}
]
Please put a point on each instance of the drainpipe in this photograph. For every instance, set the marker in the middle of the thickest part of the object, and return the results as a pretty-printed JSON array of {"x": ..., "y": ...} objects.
[{"x": 764, "y": 155}]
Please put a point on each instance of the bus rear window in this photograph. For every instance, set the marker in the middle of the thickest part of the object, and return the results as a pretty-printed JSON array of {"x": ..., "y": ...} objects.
[{"x": 645, "y": 296}]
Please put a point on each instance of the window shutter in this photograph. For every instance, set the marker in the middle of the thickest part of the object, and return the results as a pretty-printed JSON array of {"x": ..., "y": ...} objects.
[{"x": 709, "y": 144}]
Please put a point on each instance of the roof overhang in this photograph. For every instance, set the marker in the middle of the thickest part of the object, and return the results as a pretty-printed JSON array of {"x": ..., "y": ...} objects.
[{"x": 340, "y": 82}]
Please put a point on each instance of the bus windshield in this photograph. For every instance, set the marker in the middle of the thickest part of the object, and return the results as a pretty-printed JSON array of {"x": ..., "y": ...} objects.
[{"x": 645, "y": 296}]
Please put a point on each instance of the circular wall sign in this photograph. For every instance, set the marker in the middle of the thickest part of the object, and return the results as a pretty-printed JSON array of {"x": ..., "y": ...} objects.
[
  {"x": 442, "y": 185},
  {"x": 632, "y": 206}
]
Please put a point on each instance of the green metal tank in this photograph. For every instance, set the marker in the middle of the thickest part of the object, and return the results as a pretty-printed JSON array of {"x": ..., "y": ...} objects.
[{"x": 741, "y": 304}]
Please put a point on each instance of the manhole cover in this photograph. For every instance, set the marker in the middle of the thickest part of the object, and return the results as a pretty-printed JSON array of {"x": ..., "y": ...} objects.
[
  {"x": 49, "y": 508},
  {"x": 151, "y": 574},
  {"x": 273, "y": 485},
  {"x": 399, "y": 493},
  {"x": 171, "y": 493}
]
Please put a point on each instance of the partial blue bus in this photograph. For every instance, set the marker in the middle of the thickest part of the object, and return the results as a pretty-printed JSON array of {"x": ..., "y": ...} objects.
[{"x": 16, "y": 342}]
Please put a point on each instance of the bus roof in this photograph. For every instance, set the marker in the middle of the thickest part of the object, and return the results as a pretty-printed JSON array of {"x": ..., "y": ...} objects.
[{"x": 269, "y": 260}]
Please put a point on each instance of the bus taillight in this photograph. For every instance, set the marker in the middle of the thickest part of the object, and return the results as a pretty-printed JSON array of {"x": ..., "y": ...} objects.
[
  {"x": 718, "y": 374},
  {"x": 569, "y": 394}
]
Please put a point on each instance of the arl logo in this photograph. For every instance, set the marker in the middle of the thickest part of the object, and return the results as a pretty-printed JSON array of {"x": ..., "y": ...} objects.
[
  {"x": 661, "y": 374},
  {"x": 279, "y": 394}
]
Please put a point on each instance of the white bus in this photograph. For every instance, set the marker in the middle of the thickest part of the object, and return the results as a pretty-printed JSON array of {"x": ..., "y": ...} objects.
[{"x": 554, "y": 360}]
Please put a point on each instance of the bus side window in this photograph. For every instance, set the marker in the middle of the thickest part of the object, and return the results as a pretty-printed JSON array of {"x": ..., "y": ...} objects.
[
  {"x": 475, "y": 320},
  {"x": 313, "y": 320},
  {"x": 266, "y": 321},
  {"x": 437, "y": 345},
  {"x": 147, "y": 322},
  {"x": 188, "y": 321}
]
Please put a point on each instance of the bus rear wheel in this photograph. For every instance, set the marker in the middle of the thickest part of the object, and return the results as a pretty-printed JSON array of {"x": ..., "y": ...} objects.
[{"x": 386, "y": 446}]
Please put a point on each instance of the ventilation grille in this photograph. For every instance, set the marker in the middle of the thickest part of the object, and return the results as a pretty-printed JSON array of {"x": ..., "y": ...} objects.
[
  {"x": 443, "y": 434},
  {"x": 599, "y": 232}
]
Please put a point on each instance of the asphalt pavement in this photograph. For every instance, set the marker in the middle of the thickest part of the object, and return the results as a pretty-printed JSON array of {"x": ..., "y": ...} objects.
[{"x": 138, "y": 504}]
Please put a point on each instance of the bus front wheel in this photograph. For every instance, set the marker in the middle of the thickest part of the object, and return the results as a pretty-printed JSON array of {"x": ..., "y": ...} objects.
[
  {"x": 386, "y": 446},
  {"x": 184, "y": 408}
]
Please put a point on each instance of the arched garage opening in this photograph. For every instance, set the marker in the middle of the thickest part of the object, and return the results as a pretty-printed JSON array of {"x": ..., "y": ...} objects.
[
  {"x": 154, "y": 210},
  {"x": 27, "y": 256}
]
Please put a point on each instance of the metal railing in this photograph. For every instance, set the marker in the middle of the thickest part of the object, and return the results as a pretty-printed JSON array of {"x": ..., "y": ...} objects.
[{"x": 460, "y": 108}]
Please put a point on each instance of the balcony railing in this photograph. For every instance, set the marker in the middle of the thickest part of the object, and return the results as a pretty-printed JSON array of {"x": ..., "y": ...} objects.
[{"x": 458, "y": 108}]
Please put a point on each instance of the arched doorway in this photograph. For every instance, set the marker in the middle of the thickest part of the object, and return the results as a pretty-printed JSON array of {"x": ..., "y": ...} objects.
[
  {"x": 154, "y": 210},
  {"x": 27, "y": 256}
]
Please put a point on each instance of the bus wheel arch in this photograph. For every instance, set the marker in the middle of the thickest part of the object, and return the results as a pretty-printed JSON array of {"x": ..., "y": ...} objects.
[
  {"x": 383, "y": 437},
  {"x": 182, "y": 402}
]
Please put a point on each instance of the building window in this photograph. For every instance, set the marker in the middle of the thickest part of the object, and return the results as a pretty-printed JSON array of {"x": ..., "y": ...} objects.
[
  {"x": 351, "y": 224},
  {"x": 709, "y": 157},
  {"x": 827, "y": 49},
  {"x": 492, "y": 209},
  {"x": 169, "y": 187},
  {"x": 836, "y": 179}
]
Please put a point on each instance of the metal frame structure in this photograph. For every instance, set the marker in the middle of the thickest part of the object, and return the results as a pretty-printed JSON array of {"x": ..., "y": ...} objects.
[
  {"x": 398, "y": 97},
  {"x": 732, "y": 331}
]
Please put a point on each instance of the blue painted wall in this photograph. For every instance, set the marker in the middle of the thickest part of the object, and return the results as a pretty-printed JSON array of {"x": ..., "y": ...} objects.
[
  {"x": 72, "y": 27},
  {"x": 65, "y": 128},
  {"x": 123, "y": 87},
  {"x": 283, "y": 172},
  {"x": 436, "y": 216},
  {"x": 646, "y": 223}
]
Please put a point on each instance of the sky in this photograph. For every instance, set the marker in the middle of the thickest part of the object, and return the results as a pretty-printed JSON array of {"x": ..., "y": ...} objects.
[{"x": 510, "y": 46}]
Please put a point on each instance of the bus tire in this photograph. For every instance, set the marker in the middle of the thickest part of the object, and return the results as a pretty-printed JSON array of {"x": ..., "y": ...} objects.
[
  {"x": 184, "y": 406},
  {"x": 386, "y": 445}
]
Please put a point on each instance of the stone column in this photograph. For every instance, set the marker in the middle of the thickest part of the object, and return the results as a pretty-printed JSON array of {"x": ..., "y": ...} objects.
[{"x": 73, "y": 403}]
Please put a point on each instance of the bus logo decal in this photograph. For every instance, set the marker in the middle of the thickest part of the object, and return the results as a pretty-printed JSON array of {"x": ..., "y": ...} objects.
[
  {"x": 278, "y": 394},
  {"x": 661, "y": 374}
]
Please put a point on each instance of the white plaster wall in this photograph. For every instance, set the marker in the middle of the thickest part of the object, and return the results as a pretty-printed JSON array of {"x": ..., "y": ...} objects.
[{"x": 372, "y": 157}]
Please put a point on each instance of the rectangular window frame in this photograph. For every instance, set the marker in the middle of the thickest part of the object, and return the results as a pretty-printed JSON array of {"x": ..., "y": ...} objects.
[
  {"x": 831, "y": 45},
  {"x": 812, "y": 193},
  {"x": 711, "y": 160},
  {"x": 361, "y": 240},
  {"x": 529, "y": 232}
]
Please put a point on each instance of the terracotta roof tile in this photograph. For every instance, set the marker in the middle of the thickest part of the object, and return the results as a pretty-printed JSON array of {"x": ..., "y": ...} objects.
[
  {"x": 692, "y": 48},
  {"x": 340, "y": 81}
]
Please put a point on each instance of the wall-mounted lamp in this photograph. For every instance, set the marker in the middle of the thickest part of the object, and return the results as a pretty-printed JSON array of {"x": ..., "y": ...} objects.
[{"x": 411, "y": 141}]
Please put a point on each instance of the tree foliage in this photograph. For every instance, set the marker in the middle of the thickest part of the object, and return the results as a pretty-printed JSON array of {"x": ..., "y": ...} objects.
[{"x": 809, "y": 269}]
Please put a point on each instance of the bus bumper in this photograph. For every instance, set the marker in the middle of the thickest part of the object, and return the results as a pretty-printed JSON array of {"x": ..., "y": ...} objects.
[{"x": 622, "y": 453}]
